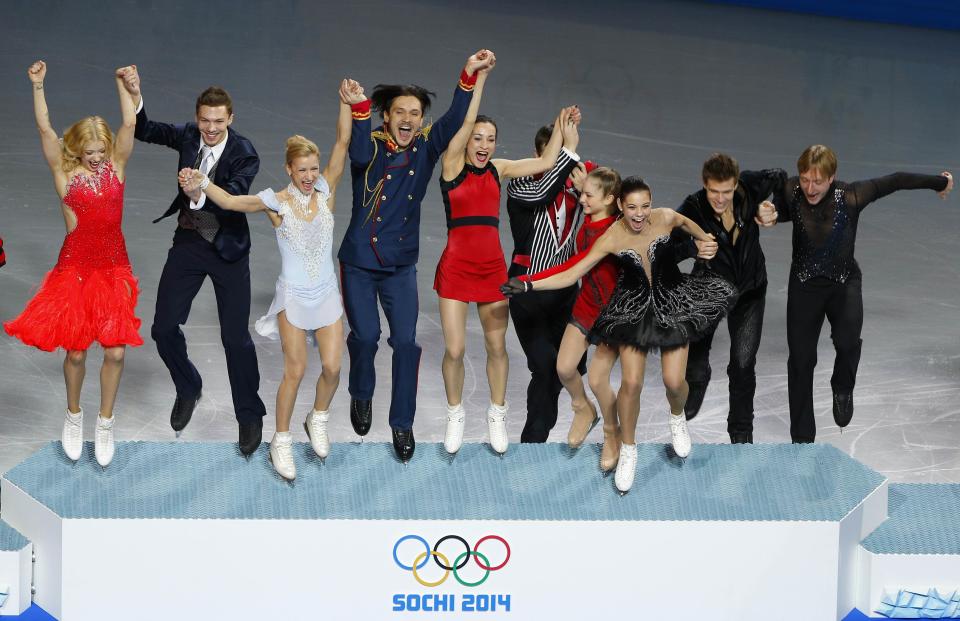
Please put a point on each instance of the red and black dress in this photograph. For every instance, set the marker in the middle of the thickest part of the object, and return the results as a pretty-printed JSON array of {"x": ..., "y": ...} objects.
[
  {"x": 598, "y": 284},
  {"x": 471, "y": 268}
]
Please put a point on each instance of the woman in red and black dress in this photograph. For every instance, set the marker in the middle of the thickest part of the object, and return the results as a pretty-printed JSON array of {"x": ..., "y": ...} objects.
[{"x": 472, "y": 267}]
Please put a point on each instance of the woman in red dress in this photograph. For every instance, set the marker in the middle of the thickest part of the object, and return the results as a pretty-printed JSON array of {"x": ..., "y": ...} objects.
[
  {"x": 91, "y": 292},
  {"x": 472, "y": 267},
  {"x": 601, "y": 209}
]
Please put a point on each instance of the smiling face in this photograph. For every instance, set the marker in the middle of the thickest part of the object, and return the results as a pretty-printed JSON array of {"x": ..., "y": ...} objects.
[
  {"x": 593, "y": 201},
  {"x": 636, "y": 207},
  {"x": 304, "y": 172},
  {"x": 720, "y": 194},
  {"x": 213, "y": 122},
  {"x": 482, "y": 144},
  {"x": 814, "y": 185},
  {"x": 404, "y": 119},
  {"x": 93, "y": 155}
]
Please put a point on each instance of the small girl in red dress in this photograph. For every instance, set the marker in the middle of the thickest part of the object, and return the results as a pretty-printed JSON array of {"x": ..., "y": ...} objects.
[
  {"x": 601, "y": 208},
  {"x": 91, "y": 292},
  {"x": 472, "y": 266}
]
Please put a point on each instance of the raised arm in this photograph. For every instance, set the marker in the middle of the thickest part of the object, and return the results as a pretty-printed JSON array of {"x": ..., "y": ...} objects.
[
  {"x": 338, "y": 153},
  {"x": 453, "y": 157},
  {"x": 128, "y": 122},
  {"x": 166, "y": 134},
  {"x": 533, "y": 192},
  {"x": 361, "y": 144},
  {"x": 192, "y": 179},
  {"x": 447, "y": 125},
  {"x": 49, "y": 141},
  {"x": 865, "y": 192},
  {"x": 547, "y": 159}
]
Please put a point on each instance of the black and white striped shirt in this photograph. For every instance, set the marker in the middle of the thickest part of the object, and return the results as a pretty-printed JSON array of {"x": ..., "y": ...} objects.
[{"x": 530, "y": 200}]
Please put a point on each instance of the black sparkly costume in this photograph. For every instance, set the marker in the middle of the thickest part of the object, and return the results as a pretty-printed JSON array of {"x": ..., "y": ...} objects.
[
  {"x": 825, "y": 281},
  {"x": 668, "y": 310}
]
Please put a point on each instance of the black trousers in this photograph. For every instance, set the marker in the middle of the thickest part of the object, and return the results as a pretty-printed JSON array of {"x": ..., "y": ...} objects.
[
  {"x": 540, "y": 320},
  {"x": 190, "y": 260},
  {"x": 745, "y": 323},
  {"x": 807, "y": 305}
]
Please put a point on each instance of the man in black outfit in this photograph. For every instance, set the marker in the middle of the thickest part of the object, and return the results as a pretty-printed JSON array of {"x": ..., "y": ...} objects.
[
  {"x": 209, "y": 241},
  {"x": 825, "y": 280},
  {"x": 730, "y": 206},
  {"x": 544, "y": 220}
]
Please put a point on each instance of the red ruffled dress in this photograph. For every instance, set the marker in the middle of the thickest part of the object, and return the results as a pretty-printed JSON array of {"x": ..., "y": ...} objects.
[
  {"x": 472, "y": 268},
  {"x": 91, "y": 293}
]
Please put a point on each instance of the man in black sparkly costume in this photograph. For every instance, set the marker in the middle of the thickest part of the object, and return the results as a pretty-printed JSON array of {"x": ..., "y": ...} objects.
[{"x": 825, "y": 280}]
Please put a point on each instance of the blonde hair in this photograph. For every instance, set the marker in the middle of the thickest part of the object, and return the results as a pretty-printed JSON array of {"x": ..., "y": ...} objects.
[
  {"x": 298, "y": 146},
  {"x": 80, "y": 134},
  {"x": 818, "y": 157}
]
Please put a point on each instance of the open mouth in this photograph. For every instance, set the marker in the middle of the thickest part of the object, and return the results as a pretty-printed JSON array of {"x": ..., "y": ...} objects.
[
  {"x": 211, "y": 138},
  {"x": 306, "y": 185},
  {"x": 482, "y": 156},
  {"x": 404, "y": 133},
  {"x": 638, "y": 223}
]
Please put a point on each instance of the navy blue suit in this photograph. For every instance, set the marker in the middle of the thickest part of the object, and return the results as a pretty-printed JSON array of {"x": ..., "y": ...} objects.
[
  {"x": 379, "y": 252},
  {"x": 192, "y": 258}
]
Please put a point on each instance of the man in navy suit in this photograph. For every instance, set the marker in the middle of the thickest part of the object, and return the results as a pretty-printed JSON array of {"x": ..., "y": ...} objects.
[
  {"x": 391, "y": 167},
  {"x": 209, "y": 241}
]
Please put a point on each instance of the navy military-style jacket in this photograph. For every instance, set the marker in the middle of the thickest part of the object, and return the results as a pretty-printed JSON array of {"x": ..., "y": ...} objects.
[{"x": 389, "y": 184}]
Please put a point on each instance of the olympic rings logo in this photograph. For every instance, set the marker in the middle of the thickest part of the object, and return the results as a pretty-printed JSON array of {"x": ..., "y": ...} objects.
[{"x": 420, "y": 561}]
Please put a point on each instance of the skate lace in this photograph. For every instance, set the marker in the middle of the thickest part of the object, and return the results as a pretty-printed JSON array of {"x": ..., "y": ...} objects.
[
  {"x": 285, "y": 454},
  {"x": 318, "y": 428}
]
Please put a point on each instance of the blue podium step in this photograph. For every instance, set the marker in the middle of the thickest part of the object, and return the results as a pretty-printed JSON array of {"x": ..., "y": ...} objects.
[
  {"x": 780, "y": 482},
  {"x": 184, "y": 514},
  {"x": 924, "y": 518}
]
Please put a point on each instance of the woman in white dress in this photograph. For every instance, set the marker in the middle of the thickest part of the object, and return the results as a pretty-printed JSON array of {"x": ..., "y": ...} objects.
[{"x": 307, "y": 307}]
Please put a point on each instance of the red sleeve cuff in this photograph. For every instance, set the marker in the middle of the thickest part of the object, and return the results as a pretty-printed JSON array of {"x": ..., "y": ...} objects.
[
  {"x": 467, "y": 81},
  {"x": 360, "y": 111}
]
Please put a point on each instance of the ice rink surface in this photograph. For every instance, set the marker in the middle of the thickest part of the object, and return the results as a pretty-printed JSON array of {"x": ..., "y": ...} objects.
[{"x": 661, "y": 85}]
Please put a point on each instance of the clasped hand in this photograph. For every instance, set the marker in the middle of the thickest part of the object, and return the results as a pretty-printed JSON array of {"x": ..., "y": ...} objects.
[{"x": 515, "y": 286}]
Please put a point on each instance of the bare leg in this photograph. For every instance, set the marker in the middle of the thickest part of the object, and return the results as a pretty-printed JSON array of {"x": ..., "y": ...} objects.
[
  {"x": 598, "y": 373},
  {"x": 330, "y": 345},
  {"x": 493, "y": 318},
  {"x": 294, "y": 343},
  {"x": 572, "y": 347},
  {"x": 633, "y": 363},
  {"x": 110, "y": 378},
  {"x": 453, "y": 321},
  {"x": 74, "y": 369},
  {"x": 674, "y": 364}
]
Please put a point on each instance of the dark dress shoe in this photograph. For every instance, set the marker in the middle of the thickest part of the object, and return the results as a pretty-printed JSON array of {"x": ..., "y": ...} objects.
[
  {"x": 695, "y": 394},
  {"x": 842, "y": 408},
  {"x": 182, "y": 411},
  {"x": 403, "y": 443},
  {"x": 741, "y": 437},
  {"x": 251, "y": 436},
  {"x": 361, "y": 415}
]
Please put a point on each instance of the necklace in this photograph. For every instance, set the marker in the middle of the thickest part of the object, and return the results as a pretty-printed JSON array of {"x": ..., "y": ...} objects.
[{"x": 299, "y": 201}]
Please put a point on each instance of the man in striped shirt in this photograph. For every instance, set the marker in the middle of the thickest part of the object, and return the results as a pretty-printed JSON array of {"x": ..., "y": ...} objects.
[{"x": 544, "y": 220}]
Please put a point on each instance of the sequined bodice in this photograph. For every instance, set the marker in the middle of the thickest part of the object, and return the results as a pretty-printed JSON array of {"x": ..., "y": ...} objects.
[
  {"x": 824, "y": 236},
  {"x": 309, "y": 241},
  {"x": 633, "y": 273},
  {"x": 97, "y": 240}
]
